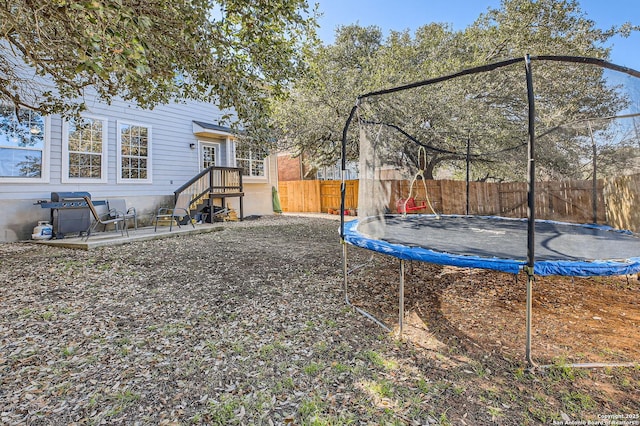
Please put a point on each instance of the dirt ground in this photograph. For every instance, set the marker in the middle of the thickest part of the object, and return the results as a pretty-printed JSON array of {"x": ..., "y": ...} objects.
[
  {"x": 249, "y": 326},
  {"x": 577, "y": 320}
]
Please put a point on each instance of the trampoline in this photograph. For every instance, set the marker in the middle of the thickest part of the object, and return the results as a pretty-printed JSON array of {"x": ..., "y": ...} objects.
[
  {"x": 499, "y": 243},
  {"x": 529, "y": 245}
]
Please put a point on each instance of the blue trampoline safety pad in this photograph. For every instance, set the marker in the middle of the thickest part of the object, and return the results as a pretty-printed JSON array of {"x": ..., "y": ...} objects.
[{"x": 499, "y": 244}]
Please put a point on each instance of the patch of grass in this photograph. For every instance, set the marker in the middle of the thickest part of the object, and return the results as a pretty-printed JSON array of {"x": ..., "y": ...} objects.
[
  {"x": 331, "y": 323},
  {"x": 103, "y": 266},
  {"x": 285, "y": 384},
  {"x": 495, "y": 412},
  {"x": 322, "y": 421},
  {"x": 490, "y": 395},
  {"x": 379, "y": 361},
  {"x": 238, "y": 348},
  {"x": 122, "y": 341},
  {"x": 577, "y": 402},
  {"x": 124, "y": 344},
  {"x": 479, "y": 369},
  {"x": 212, "y": 346},
  {"x": 222, "y": 413},
  {"x": 382, "y": 388},
  {"x": 68, "y": 265},
  {"x": 321, "y": 347},
  {"x": 93, "y": 401},
  {"x": 519, "y": 374},
  {"x": 443, "y": 419},
  {"x": 312, "y": 369},
  {"x": 266, "y": 351},
  {"x": 127, "y": 397},
  {"x": 25, "y": 312},
  {"x": 541, "y": 410},
  {"x": 48, "y": 315},
  {"x": 424, "y": 386},
  {"x": 340, "y": 368},
  {"x": 561, "y": 370},
  {"x": 458, "y": 390},
  {"x": 310, "y": 408},
  {"x": 309, "y": 326},
  {"x": 68, "y": 351},
  {"x": 170, "y": 330},
  {"x": 120, "y": 401}
]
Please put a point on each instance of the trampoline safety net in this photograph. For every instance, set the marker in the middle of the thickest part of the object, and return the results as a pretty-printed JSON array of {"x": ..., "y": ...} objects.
[{"x": 467, "y": 168}]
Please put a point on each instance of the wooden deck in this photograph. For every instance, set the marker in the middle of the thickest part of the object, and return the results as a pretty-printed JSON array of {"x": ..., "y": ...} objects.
[{"x": 114, "y": 238}]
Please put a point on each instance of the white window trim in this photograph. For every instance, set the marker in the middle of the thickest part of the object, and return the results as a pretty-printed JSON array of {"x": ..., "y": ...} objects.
[
  {"x": 46, "y": 159},
  {"x": 119, "y": 178},
  {"x": 258, "y": 179},
  {"x": 65, "y": 153},
  {"x": 254, "y": 179},
  {"x": 201, "y": 144}
]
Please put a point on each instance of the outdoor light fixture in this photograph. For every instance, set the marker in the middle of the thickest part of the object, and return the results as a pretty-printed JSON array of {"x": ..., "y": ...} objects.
[{"x": 192, "y": 145}]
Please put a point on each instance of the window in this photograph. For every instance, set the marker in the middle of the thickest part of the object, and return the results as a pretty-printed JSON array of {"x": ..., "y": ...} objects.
[
  {"x": 134, "y": 152},
  {"x": 84, "y": 150},
  {"x": 251, "y": 161},
  {"x": 335, "y": 172},
  {"x": 23, "y": 146},
  {"x": 209, "y": 154}
]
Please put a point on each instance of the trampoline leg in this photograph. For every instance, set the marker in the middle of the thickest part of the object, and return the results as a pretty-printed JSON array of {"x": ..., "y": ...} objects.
[
  {"x": 346, "y": 292},
  {"x": 401, "y": 299},
  {"x": 530, "y": 279},
  {"x": 345, "y": 271}
]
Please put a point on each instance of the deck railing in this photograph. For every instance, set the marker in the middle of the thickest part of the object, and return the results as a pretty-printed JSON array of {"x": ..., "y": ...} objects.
[{"x": 217, "y": 182}]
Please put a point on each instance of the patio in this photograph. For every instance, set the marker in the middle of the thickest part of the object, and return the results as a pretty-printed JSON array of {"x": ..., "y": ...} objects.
[{"x": 114, "y": 238}]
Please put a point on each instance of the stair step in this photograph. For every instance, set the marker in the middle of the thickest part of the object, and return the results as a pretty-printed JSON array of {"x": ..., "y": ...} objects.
[{"x": 167, "y": 222}]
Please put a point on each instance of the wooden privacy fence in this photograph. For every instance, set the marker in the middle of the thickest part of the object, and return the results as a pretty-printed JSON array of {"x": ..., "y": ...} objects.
[
  {"x": 569, "y": 200},
  {"x": 316, "y": 195},
  {"x": 622, "y": 196}
]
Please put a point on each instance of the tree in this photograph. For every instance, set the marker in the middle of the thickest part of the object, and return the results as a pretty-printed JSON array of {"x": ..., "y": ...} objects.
[
  {"x": 312, "y": 118},
  {"x": 565, "y": 93},
  {"x": 489, "y": 109},
  {"x": 236, "y": 53}
]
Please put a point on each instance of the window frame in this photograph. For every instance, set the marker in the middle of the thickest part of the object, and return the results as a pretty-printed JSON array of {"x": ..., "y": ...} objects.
[
  {"x": 265, "y": 165},
  {"x": 119, "y": 156},
  {"x": 218, "y": 153},
  {"x": 45, "y": 166},
  {"x": 65, "y": 153}
]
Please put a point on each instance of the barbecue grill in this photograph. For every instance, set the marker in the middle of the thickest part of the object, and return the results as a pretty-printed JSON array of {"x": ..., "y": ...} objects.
[{"x": 69, "y": 213}]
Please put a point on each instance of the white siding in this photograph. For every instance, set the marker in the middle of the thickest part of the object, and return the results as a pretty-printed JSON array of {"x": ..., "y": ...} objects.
[{"x": 173, "y": 163}]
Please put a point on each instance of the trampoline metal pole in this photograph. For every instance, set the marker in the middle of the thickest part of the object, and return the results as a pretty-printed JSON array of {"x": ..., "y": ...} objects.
[
  {"x": 530, "y": 280},
  {"x": 594, "y": 189},
  {"x": 401, "y": 300},
  {"x": 468, "y": 170},
  {"x": 346, "y": 291},
  {"x": 531, "y": 212},
  {"x": 345, "y": 272}
]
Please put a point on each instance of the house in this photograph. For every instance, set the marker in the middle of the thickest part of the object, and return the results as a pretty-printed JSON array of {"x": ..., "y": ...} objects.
[
  {"x": 299, "y": 167},
  {"x": 119, "y": 151}
]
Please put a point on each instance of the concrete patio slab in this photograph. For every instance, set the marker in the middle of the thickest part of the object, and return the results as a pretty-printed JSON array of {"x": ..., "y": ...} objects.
[{"x": 114, "y": 238}]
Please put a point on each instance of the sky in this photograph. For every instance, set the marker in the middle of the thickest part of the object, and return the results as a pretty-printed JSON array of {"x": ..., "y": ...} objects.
[{"x": 410, "y": 14}]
